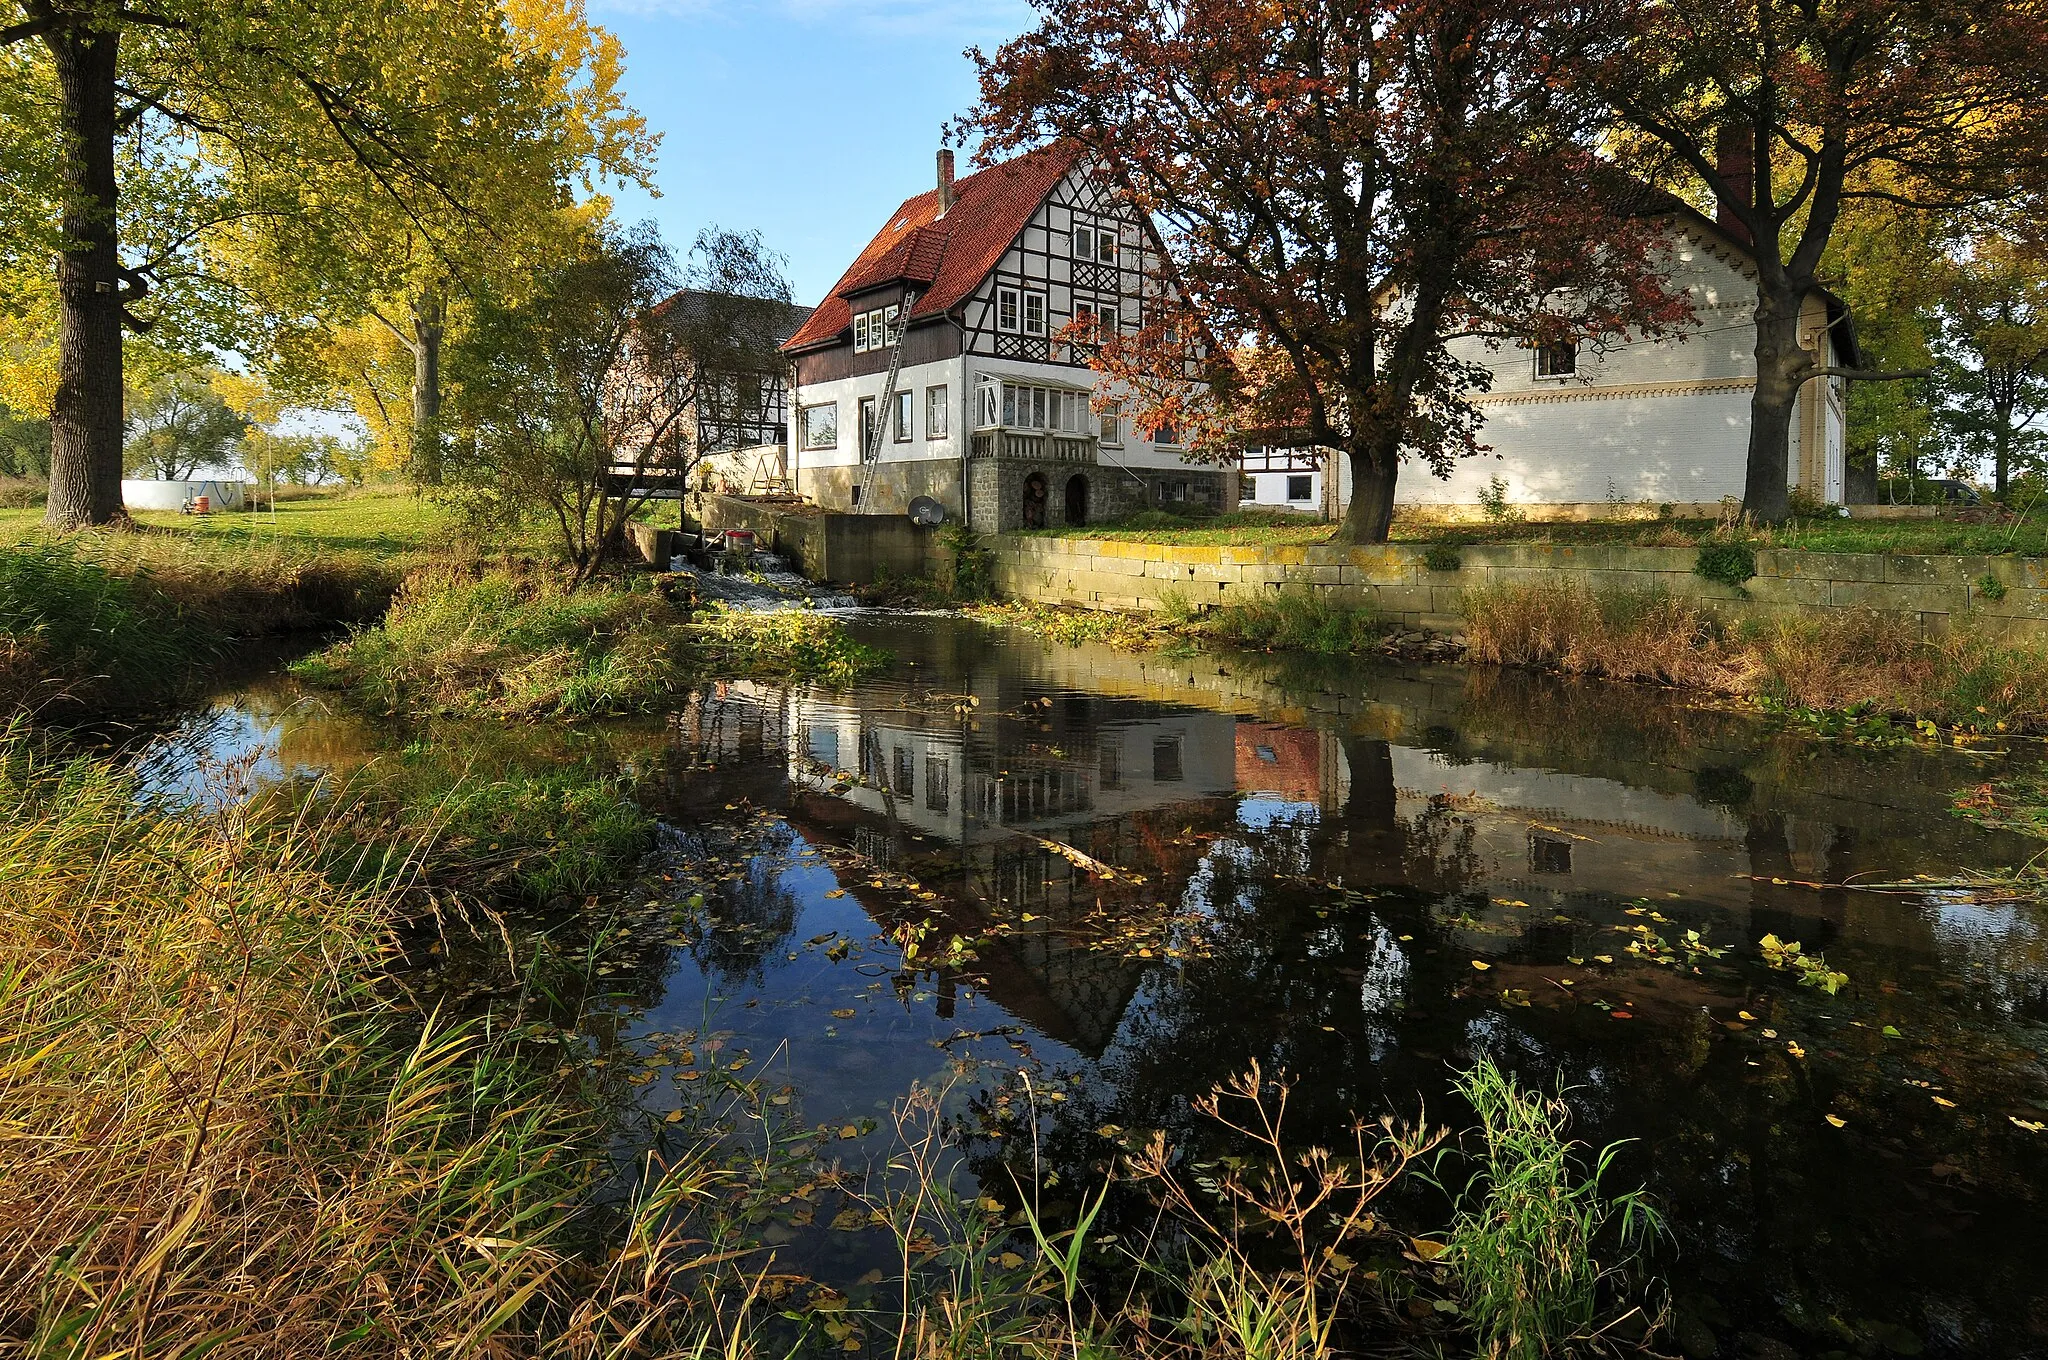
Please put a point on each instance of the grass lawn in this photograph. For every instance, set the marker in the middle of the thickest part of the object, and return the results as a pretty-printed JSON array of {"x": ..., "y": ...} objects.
[
  {"x": 382, "y": 524},
  {"x": 1258, "y": 528}
]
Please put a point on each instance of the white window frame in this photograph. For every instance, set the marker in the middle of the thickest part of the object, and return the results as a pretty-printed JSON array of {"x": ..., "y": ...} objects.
[
  {"x": 1543, "y": 354},
  {"x": 1308, "y": 485},
  {"x": 1013, "y": 297},
  {"x": 988, "y": 404},
  {"x": 867, "y": 410},
  {"x": 935, "y": 412},
  {"x": 1083, "y": 242},
  {"x": 906, "y": 416},
  {"x": 804, "y": 415},
  {"x": 1043, "y": 314},
  {"x": 1106, "y": 246},
  {"x": 860, "y": 333},
  {"x": 889, "y": 315}
]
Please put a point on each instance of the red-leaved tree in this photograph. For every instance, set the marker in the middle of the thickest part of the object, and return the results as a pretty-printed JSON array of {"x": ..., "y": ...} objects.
[
  {"x": 1346, "y": 189},
  {"x": 1786, "y": 110}
]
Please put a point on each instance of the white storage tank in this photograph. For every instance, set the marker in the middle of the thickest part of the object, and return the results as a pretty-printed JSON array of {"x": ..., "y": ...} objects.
[{"x": 220, "y": 495}]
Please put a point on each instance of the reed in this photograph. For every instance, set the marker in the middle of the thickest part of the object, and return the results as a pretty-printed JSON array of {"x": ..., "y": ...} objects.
[
  {"x": 223, "y": 1136},
  {"x": 1838, "y": 662}
]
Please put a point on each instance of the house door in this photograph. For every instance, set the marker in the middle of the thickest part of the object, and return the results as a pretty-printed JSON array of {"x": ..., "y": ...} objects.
[
  {"x": 1034, "y": 501},
  {"x": 1077, "y": 499}
]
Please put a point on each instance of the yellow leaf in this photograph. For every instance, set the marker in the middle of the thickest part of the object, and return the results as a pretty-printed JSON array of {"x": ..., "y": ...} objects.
[
  {"x": 1481, "y": 965},
  {"x": 1009, "y": 1260},
  {"x": 1945, "y": 1104},
  {"x": 1837, "y": 1120},
  {"x": 844, "y": 1013}
]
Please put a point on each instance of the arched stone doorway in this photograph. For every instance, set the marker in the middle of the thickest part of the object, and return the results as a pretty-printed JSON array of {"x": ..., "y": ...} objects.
[
  {"x": 1034, "y": 501},
  {"x": 1077, "y": 499}
]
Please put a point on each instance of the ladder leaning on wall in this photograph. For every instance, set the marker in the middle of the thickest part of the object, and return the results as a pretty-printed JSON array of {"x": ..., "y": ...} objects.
[{"x": 871, "y": 456}]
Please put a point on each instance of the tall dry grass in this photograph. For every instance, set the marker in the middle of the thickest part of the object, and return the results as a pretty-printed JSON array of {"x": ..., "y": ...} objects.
[
  {"x": 1964, "y": 677},
  {"x": 217, "y": 1138}
]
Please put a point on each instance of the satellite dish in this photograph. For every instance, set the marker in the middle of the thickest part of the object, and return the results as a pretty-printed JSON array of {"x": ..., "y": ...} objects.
[{"x": 927, "y": 513}]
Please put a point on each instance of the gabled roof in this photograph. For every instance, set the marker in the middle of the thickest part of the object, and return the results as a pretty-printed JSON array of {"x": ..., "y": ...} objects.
[{"x": 945, "y": 258}]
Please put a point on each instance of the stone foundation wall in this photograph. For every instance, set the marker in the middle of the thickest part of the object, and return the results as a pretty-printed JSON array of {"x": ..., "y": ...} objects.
[
  {"x": 1394, "y": 580},
  {"x": 997, "y": 486}
]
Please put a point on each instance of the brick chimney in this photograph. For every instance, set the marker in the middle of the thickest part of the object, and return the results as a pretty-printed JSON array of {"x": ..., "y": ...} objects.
[
  {"x": 1735, "y": 162},
  {"x": 945, "y": 180}
]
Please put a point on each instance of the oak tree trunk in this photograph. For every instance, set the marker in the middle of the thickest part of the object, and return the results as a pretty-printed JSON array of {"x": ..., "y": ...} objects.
[
  {"x": 429, "y": 323},
  {"x": 1780, "y": 365},
  {"x": 1370, "y": 516},
  {"x": 85, "y": 417}
]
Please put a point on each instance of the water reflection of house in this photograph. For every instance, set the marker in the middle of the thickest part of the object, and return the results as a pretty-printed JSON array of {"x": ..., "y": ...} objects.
[{"x": 968, "y": 801}]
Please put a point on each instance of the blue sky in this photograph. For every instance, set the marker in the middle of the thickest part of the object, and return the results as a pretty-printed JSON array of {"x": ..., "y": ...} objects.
[{"x": 807, "y": 119}]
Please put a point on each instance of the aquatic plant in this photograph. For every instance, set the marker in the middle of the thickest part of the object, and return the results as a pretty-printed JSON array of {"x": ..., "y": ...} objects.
[
  {"x": 224, "y": 1135},
  {"x": 1543, "y": 1254},
  {"x": 1812, "y": 969},
  {"x": 1297, "y": 620},
  {"x": 460, "y": 640}
]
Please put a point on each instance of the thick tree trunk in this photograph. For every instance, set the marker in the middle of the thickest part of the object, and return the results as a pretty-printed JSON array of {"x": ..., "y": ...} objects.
[
  {"x": 1370, "y": 516},
  {"x": 1780, "y": 364},
  {"x": 429, "y": 323},
  {"x": 85, "y": 417}
]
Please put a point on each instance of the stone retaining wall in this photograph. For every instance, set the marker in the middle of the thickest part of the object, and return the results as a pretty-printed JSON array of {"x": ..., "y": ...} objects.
[{"x": 1394, "y": 580}]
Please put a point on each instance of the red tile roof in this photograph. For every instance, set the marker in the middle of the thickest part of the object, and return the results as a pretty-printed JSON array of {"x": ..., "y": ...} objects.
[{"x": 945, "y": 257}]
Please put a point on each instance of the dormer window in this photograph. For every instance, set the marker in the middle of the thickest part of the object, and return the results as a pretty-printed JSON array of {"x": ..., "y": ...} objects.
[{"x": 874, "y": 329}]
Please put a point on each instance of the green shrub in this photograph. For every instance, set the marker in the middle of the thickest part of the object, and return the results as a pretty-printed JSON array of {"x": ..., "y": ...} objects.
[
  {"x": 1442, "y": 556},
  {"x": 1990, "y": 587},
  {"x": 1531, "y": 1227},
  {"x": 1730, "y": 564}
]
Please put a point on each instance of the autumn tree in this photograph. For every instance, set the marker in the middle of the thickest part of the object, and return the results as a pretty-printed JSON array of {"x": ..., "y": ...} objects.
[
  {"x": 361, "y": 317},
  {"x": 178, "y": 423},
  {"x": 1994, "y": 369},
  {"x": 135, "y": 132},
  {"x": 596, "y": 374},
  {"x": 1788, "y": 112},
  {"x": 1347, "y": 190}
]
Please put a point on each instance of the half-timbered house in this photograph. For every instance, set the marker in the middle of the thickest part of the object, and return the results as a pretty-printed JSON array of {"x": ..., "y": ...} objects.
[{"x": 992, "y": 413}]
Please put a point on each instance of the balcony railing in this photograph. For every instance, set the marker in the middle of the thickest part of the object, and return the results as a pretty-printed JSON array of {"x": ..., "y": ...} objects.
[{"x": 1042, "y": 446}]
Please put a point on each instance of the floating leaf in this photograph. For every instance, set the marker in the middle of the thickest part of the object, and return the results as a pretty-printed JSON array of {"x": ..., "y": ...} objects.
[
  {"x": 1481, "y": 965},
  {"x": 1837, "y": 1120},
  {"x": 843, "y": 1013},
  {"x": 1945, "y": 1104},
  {"x": 2030, "y": 1125}
]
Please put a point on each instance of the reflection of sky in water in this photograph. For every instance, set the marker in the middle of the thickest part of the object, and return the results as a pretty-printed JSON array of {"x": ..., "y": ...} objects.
[
  {"x": 188, "y": 764},
  {"x": 1258, "y": 811}
]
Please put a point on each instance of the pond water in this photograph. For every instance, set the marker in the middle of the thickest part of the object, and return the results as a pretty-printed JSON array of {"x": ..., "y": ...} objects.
[{"x": 1366, "y": 876}]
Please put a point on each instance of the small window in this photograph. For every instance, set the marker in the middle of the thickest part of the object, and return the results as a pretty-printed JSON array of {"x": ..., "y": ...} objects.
[
  {"x": 1084, "y": 316},
  {"x": 1166, "y": 434},
  {"x": 888, "y": 328},
  {"x": 938, "y": 784},
  {"x": 1034, "y": 314},
  {"x": 1106, "y": 246},
  {"x": 1557, "y": 361},
  {"x": 988, "y": 405},
  {"x": 1112, "y": 429},
  {"x": 1084, "y": 242},
  {"x": 1110, "y": 766},
  {"x": 905, "y": 773},
  {"x": 905, "y": 411},
  {"x": 1298, "y": 488},
  {"x": 867, "y": 427},
  {"x": 821, "y": 426},
  {"x": 1006, "y": 309},
  {"x": 824, "y": 746},
  {"x": 860, "y": 334},
  {"x": 1166, "y": 762},
  {"x": 935, "y": 413}
]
